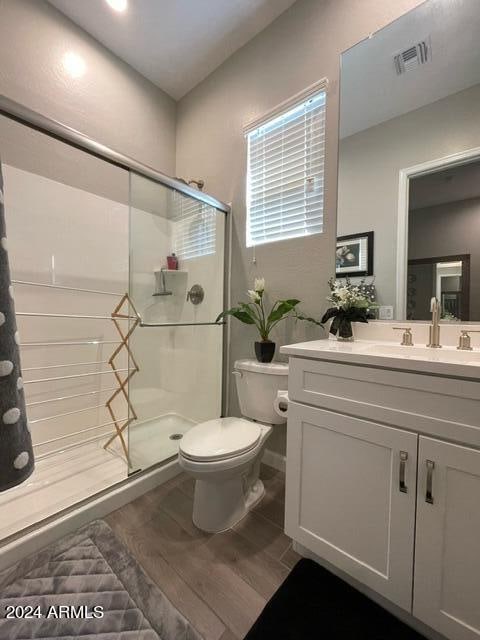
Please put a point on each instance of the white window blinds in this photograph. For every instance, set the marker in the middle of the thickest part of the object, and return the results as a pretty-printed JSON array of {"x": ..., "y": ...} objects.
[
  {"x": 194, "y": 227},
  {"x": 286, "y": 157}
]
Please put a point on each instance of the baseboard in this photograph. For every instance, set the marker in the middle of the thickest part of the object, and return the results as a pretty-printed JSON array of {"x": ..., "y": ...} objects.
[
  {"x": 71, "y": 519},
  {"x": 275, "y": 460},
  {"x": 392, "y": 608}
]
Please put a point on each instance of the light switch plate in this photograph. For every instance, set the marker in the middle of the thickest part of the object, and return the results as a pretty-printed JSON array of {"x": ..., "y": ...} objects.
[{"x": 385, "y": 312}]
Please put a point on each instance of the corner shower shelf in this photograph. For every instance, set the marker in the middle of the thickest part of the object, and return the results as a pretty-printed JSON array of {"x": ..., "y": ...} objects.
[{"x": 170, "y": 271}]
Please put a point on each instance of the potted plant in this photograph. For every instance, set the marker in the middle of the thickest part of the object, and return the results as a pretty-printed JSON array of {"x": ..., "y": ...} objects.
[
  {"x": 254, "y": 313},
  {"x": 350, "y": 304}
]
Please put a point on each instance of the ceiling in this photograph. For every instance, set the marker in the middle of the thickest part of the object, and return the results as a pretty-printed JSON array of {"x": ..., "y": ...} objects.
[
  {"x": 453, "y": 184},
  {"x": 371, "y": 90},
  {"x": 174, "y": 43}
]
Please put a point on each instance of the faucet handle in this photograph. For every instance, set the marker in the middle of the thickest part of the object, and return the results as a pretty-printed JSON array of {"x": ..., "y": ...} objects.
[
  {"x": 464, "y": 340},
  {"x": 407, "y": 338}
]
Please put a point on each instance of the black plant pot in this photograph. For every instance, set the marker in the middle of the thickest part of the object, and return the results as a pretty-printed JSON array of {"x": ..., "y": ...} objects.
[{"x": 265, "y": 350}]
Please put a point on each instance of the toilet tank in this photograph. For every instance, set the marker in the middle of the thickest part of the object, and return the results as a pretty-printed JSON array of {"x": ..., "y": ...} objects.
[{"x": 257, "y": 387}]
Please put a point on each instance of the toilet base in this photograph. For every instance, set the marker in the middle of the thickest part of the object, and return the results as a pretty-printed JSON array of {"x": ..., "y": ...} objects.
[
  {"x": 219, "y": 507},
  {"x": 226, "y": 490}
]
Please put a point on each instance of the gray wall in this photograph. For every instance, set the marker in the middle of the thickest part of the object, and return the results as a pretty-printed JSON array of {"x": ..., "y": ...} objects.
[
  {"x": 300, "y": 47},
  {"x": 111, "y": 103},
  {"x": 446, "y": 230}
]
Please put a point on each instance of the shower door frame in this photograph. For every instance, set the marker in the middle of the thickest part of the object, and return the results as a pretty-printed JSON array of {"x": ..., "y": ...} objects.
[{"x": 55, "y": 129}]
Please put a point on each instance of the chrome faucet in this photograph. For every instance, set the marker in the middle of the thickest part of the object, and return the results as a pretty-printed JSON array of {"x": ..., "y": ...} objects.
[
  {"x": 464, "y": 341},
  {"x": 434, "y": 329},
  {"x": 407, "y": 338}
]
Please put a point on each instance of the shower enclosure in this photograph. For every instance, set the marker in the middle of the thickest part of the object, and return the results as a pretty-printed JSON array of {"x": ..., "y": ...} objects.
[
  {"x": 86, "y": 226},
  {"x": 177, "y": 345}
]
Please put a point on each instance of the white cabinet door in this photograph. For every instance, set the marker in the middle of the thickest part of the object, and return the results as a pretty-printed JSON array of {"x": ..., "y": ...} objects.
[
  {"x": 447, "y": 555},
  {"x": 351, "y": 488}
]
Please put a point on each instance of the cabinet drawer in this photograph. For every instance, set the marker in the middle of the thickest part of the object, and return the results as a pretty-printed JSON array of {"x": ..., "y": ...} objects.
[{"x": 446, "y": 407}]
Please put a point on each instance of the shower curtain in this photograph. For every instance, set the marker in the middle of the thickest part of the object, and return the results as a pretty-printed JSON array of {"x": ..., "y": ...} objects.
[{"x": 16, "y": 454}]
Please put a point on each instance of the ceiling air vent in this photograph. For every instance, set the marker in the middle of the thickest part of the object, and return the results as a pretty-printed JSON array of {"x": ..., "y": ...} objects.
[{"x": 412, "y": 57}]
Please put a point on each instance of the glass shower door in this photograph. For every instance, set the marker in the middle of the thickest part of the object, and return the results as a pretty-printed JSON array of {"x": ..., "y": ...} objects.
[{"x": 177, "y": 346}]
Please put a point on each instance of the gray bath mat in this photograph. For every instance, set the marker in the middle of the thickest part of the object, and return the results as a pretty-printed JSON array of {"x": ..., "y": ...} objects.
[{"x": 90, "y": 568}]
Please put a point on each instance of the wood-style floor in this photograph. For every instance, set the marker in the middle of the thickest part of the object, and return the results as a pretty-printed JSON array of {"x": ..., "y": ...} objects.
[{"x": 220, "y": 582}]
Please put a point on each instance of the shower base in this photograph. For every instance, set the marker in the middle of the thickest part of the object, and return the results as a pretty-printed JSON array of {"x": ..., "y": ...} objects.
[
  {"x": 151, "y": 441},
  {"x": 59, "y": 480},
  {"x": 64, "y": 478}
]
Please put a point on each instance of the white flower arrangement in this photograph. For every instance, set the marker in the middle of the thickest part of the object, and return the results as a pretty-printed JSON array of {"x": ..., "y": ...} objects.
[
  {"x": 345, "y": 295},
  {"x": 350, "y": 304}
]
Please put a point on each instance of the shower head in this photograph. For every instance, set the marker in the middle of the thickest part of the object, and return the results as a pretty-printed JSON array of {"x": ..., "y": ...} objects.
[{"x": 198, "y": 183}]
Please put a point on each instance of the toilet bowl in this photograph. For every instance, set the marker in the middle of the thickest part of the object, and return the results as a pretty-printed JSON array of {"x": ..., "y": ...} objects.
[{"x": 224, "y": 455}]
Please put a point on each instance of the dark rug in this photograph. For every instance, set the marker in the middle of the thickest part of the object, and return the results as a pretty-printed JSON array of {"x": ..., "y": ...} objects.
[
  {"x": 314, "y": 604},
  {"x": 90, "y": 568}
]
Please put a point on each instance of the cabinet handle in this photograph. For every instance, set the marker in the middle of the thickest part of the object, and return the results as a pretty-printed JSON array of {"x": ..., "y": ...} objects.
[
  {"x": 429, "y": 492},
  {"x": 403, "y": 462}
]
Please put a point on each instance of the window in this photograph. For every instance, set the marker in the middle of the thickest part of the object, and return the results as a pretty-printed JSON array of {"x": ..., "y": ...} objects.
[
  {"x": 286, "y": 157},
  {"x": 194, "y": 227}
]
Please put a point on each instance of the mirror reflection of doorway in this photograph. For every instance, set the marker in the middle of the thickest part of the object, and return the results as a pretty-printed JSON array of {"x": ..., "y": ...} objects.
[
  {"x": 443, "y": 240},
  {"x": 447, "y": 278}
]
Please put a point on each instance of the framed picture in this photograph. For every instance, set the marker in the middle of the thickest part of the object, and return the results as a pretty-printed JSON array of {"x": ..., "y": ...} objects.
[{"x": 354, "y": 255}]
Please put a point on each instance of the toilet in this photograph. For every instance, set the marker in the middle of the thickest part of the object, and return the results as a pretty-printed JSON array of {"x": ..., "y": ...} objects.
[{"x": 224, "y": 455}]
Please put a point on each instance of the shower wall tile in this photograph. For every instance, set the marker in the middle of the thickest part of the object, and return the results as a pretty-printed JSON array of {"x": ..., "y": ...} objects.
[
  {"x": 63, "y": 235},
  {"x": 180, "y": 367},
  {"x": 59, "y": 234}
]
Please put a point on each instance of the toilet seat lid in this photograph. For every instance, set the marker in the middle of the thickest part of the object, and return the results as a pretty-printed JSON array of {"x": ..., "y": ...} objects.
[{"x": 220, "y": 439}]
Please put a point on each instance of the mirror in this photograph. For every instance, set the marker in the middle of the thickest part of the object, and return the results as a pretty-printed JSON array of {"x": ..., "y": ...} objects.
[{"x": 409, "y": 163}]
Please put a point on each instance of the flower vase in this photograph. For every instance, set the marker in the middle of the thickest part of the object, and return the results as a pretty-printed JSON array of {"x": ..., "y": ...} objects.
[
  {"x": 345, "y": 331},
  {"x": 265, "y": 350},
  {"x": 348, "y": 339}
]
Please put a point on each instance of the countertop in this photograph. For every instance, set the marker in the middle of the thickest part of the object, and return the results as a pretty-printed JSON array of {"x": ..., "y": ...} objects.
[{"x": 447, "y": 361}]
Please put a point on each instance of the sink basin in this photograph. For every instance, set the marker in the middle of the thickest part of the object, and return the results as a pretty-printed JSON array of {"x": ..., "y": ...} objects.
[{"x": 445, "y": 354}]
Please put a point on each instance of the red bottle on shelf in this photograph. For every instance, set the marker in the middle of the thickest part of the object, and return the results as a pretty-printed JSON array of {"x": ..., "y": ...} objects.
[{"x": 172, "y": 262}]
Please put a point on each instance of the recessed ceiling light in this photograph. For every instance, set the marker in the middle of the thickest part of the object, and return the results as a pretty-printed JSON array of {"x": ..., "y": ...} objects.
[
  {"x": 118, "y": 5},
  {"x": 74, "y": 64}
]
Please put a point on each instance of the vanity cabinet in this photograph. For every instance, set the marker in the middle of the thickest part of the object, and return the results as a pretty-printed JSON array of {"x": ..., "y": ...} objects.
[
  {"x": 375, "y": 488},
  {"x": 351, "y": 487}
]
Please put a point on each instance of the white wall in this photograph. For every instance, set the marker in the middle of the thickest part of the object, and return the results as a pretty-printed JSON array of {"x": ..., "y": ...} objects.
[
  {"x": 370, "y": 163},
  {"x": 62, "y": 235},
  {"x": 111, "y": 102},
  {"x": 300, "y": 47}
]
